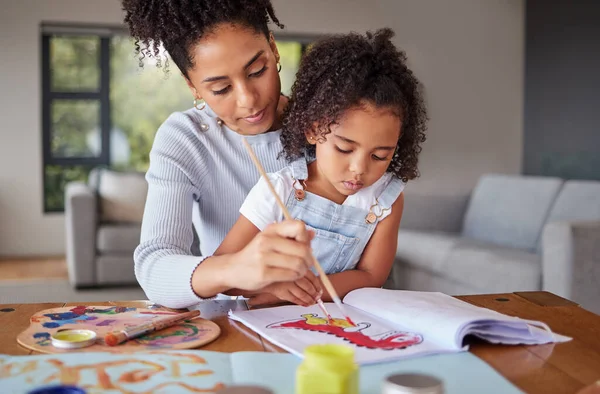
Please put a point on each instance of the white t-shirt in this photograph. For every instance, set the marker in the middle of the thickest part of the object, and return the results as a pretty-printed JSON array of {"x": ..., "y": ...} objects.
[{"x": 261, "y": 209}]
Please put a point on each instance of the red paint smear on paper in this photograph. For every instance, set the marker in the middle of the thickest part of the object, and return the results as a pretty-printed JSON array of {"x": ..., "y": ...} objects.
[{"x": 396, "y": 340}]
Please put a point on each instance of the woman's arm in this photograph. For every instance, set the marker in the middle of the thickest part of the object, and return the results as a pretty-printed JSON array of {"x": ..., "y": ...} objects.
[
  {"x": 163, "y": 260},
  {"x": 377, "y": 259}
]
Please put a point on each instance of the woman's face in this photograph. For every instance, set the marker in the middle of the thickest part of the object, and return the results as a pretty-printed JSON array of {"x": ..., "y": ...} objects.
[{"x": 235, "y": 72}]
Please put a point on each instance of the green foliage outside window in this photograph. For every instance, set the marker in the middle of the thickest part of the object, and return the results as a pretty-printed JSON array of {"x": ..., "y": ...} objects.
[
  {"x": 74, "y": 63},
  {"x": 75, "y": 128}
]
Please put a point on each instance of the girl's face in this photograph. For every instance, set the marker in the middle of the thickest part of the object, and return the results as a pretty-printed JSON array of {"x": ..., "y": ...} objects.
[
  {"x": 235, "y": 72},
  {"x": 356, "y": 153}
]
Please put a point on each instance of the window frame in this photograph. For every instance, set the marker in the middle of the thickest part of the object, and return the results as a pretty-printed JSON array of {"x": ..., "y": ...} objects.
[{"x": 49, "y": 96}]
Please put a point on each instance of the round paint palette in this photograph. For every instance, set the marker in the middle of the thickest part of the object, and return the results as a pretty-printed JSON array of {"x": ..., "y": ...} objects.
[
  {"x": 101, "y": 320},
  {"x": 73, "y": 339}
]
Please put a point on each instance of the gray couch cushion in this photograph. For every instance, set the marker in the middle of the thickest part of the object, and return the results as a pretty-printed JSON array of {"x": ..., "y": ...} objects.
[
  {"x": 427, "y": 250},
  {"x": 510, "y": 210},
  {"x": 115, "y": 269},
  {"x": 577, "y": 201},
  {"x": 497, "y": 269},
  {"x": 406, "y": 277},
  {"x": 434, "y": 212},
  {"x": 118, "y": 238},
  {"x": 474, "y": 263}
]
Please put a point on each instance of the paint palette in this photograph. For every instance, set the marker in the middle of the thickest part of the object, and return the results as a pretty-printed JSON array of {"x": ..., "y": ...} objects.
[{"x": 103, "y": 319}]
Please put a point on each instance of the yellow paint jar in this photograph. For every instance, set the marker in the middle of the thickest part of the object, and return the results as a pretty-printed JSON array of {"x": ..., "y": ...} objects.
[
  {"x": 73, "y": 339},
  {"x": 327, "y": 369}
]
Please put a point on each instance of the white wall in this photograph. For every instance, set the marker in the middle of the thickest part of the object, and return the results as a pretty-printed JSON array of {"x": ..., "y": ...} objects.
[{"x": 468, "y": 53}]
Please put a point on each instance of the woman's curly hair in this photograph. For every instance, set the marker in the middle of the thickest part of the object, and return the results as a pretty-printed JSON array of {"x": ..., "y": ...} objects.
[
  {"x": 344, "y": 71},
  {"x": 179, "y": 24}
]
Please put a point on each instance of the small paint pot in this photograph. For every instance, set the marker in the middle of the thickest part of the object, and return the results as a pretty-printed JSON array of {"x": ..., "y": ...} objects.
[
  {"x": 412, "y": 383},
  {"x": 73, "y": 339},
  {"x": 244, "y": 390},
  {"x": 62, "y": 389}
]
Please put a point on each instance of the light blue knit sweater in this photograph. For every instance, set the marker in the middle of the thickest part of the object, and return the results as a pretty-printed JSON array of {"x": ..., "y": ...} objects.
[{"x": 195, "y": 174}]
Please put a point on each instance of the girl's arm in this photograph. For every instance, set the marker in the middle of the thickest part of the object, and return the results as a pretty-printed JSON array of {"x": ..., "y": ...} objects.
[
  {"x": 240, "y": 235},
  {"x": 377, "y": 259}
]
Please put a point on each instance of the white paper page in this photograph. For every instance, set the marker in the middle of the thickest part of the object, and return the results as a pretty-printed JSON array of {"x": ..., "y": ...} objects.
[
  {"x": 374, "y": 340},
  {"x": 438, "y": 316}
]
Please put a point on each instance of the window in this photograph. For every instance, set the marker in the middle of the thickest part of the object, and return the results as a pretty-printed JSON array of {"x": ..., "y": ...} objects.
[{"x": 101, "y": 109}]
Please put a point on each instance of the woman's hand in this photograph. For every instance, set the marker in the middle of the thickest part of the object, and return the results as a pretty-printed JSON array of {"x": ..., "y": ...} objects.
[
  {"x": 280, "y": 253},
  {"x": 304, "y": 292},
  {"x": 249, "y": 260}
]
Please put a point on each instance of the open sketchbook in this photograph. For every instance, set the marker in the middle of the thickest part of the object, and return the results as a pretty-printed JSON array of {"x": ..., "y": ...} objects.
[
  {"x": 393, "y": 324},
  {"x": 193, "y": 371}
]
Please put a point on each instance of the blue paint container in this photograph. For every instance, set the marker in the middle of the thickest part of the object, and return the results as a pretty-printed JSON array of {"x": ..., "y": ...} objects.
[{"x": 61, "y": 389}]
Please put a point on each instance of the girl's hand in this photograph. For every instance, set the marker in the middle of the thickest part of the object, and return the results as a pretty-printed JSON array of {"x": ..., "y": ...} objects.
[
  {"x": 280, "y": 253},
  {"x": 304, "y": 292}
]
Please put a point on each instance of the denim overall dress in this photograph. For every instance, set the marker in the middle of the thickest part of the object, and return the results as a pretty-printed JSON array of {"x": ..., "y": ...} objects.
[{"x": 341, "y": 232}]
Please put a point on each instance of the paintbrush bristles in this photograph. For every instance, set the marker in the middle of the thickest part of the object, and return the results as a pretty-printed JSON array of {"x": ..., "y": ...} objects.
[{"x": 286, "y": 214}]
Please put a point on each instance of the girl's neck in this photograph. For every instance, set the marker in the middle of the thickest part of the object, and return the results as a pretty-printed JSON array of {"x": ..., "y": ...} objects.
[{"x": 319, "y": 185}]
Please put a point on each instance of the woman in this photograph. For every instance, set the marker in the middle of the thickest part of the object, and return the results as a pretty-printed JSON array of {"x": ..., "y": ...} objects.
[{"x": 198, "y": 164}]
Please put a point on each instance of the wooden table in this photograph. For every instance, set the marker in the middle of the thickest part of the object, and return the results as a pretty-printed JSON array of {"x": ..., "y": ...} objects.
[{"x": 553, "y": 368}]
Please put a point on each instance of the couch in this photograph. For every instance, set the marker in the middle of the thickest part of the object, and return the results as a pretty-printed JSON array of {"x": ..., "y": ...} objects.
[
  {"x": 512, "y": 233},
  {"x": 103, "y": 222}
]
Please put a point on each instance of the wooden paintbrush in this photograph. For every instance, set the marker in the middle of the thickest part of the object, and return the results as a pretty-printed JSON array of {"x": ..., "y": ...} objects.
[
  {"x": 286, "y": 214},
  {"x": 116, "y": 337}
]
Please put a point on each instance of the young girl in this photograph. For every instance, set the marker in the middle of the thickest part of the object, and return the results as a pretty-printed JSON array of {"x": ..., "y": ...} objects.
[{"x": 352, "y": 132}]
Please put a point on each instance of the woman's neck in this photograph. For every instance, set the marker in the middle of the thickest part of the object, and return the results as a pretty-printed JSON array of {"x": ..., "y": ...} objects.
[{"x": 278, "y": 122}]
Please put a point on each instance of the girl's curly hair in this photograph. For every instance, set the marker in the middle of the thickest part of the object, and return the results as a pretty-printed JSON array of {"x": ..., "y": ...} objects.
[
  {"x": 341, "y": 72},
  {"x": 179, "y": 24}
]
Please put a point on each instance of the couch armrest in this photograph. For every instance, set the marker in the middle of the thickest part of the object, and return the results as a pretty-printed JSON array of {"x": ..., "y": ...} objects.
[
  {"x": 81, "y": 221},
  {"x": 437, "y": 212},
  {"x": 571, "y": 262}
]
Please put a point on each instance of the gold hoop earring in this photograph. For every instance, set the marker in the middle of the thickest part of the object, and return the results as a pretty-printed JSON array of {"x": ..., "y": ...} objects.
[
  {"x": 202, "y": 104},
  {"x": 278, "y": 67}
]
